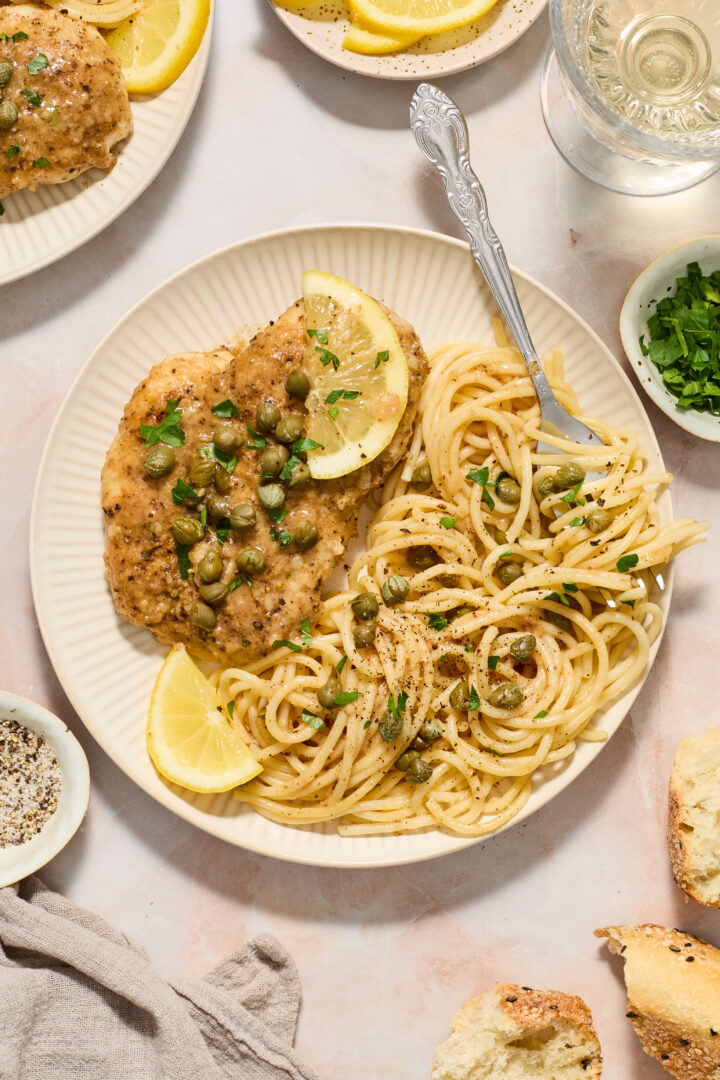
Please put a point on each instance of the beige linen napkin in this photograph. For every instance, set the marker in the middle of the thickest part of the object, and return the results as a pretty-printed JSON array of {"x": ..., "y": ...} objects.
[{"x": 79, "y": 1001}]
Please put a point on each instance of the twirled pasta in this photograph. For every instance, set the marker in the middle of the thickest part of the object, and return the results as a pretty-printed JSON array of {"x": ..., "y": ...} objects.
[{"x": 593, "y": 625}]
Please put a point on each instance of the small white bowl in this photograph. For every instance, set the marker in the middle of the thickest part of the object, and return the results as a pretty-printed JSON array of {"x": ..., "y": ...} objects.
[
  {"x": 655, "y": 282},
  {"x": 19, "y": 860}
]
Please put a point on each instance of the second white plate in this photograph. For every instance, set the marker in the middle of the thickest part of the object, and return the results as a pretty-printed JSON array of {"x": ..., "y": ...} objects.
[{"x": 108, "y": 667}]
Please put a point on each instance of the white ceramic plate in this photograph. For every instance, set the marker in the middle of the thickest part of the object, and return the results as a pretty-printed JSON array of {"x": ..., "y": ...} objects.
[
  {"x": 657, "y": 281},
  {"x": 39, "y": 227},
  {"x": 108, "y": 667},
  {"x": 17, "y": 861},
  {"x": 325, "y": 23}
]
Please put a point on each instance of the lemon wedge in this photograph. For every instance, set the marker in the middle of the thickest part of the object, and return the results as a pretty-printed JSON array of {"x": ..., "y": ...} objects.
[
  {"x": 190, "y": 737},
  {"x": 374, "y": 42},
  {"x": 418, "y": 16},
  {"x": 157, "y": 43},
  {"x": 358, "y": 376}
]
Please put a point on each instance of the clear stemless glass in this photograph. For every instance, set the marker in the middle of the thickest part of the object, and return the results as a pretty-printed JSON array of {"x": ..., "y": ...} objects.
[{"x": 631, "y": 91}]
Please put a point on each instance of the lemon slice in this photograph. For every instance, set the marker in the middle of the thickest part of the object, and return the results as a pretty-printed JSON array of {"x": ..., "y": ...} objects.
[
  {"x": 418, "y": 16},
  {"x": 358, "y": 376},
  {"x": 190, "y": 738},
  {"x": 157, "y": 43},
  {"x": 374, "y": 42}
]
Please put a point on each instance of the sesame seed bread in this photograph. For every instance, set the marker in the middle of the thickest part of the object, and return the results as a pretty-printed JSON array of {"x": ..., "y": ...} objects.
[
  {"x": 673, "y": 987},
  {"x": 694, "y": 807},
  {"x": 515, "y": 1033}
]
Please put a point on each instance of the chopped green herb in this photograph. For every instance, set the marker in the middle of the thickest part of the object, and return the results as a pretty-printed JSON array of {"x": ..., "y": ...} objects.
[
  {"x": 493, "y": 662},
  {"x": 626, "y": 562},
  {"x": 305, "y": 632},
  {"x": 437, "y": 622},
  {"x": 468, "y": 646},
  {"x": 222, "y": 530},
  {"x": 38, "y": 63},
  {"x": 333, "y": 413},
  {"x": 447, "y": 522},
  {"x": 183, "y": 560},
  {"x": 482, "y": 477},
  {"x": 572, "y": 498},
  {"x": 32, "y": 96},
  {"x": 630, "y": 603},
  {"x": 327, "y": 357},
  {"x": 287, "y": 469},
  {"x": 489, "y": 750},
  {"x": 541, "y": 714},
  {"x": 281, "y": 536},
  {"x": 224, "y": 458},
  {"x": 341, "y": 664},
  {"x": 336, "y": 395},
  {"x": 396, "y": 710},
  {"x": 230, "y": 707},
  {"x": 382, "y": 358},
  {"x": 474, "y": 700},
  {"x": 319, "y": 335},
  {"x": 366, "y": 725},
  {"x": 559, "y": 598},
  {"x": 12, "y": 151},
  {"x": 238, "y": 581},
  {"x": 183, "y": 491},
  {"x": 258, "y": 442},
  {"x": 569, "y": 587},
  {"x": 40, "y": 163},
  {"x": 345, "y": 697},
  {"x": 312, "y": 720},
  {"x": 287, "y": 645},
  {"x": 505, "y": 555},
  {"x": 301, "y": 445},
  {"x": 19, "y": 36},
  {"x": 168, "y": 431},
  {"x": 276, "y": 513},
  {"x": 225, "y": 409},
  {"x": 576, "y": 521}
]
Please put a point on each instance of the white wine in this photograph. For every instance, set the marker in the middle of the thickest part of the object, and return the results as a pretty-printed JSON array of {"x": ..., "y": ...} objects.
[{"x": 656, "y": 63}]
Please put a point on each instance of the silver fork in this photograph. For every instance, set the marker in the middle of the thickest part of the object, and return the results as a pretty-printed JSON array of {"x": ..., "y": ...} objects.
[{"x": 441, "y": 133}]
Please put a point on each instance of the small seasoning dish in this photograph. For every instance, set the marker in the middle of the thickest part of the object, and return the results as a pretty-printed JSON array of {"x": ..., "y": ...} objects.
[
  {"x": 42, "y": 745},
  {"x": 657, "y": 281}
]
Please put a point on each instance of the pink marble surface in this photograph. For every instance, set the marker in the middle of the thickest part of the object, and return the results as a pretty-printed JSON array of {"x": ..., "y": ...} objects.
[{"x": 280, "y": 138}]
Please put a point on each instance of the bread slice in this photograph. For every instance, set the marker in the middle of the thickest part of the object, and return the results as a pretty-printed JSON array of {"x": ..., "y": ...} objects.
[
  {"x": 694, "y": 820},
  {"x": 673, "y": 987},
  {"x": 515, "y": 1033}
]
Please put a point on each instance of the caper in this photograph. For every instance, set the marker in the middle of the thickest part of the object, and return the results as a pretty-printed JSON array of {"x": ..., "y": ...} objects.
[
  {"x": 507, "y": 696},
  {"x": 365, "y": 605},
  {"x": 297, "y": 384},
  {"x": 272, "y": 496},
  {"x": 222, "y": 480},
  {"x": 290, "y": 428},
  {"x": 326, "y": 694},
  {"x": 159, "y": 460},
  {"x": 405, "y": 760},
  {"x": 418, "y": 771},
  {"x": 567, "y": 476},
  {"x": 251, "y": 561},
  {"x": 363, "y": 636},
  {"x": 508, "y": 490},
  {"x": 202, "y": 474},
  {"x": 464, "y": 609},
  {"x": 523, "y": 647},
  {"x": 508, "y": 571},
  {"x": 306, "y": 536},
  {"x": 242, "y": 517},
  {"x": 394, "y": 590},
  {"x": 8, "y": 115},
  {"x": 390, "y": 726},
  {"x": 421, "y": 478},
  {"x": 430, "y": 730},
  {"x": 227, "y": 438},
  {"x": 546, "y": 486},
  {"x": 210, "y": 567},
  {"x": 419, "y": 743},
  {"x": 422, "y": 557},
  {"x": 213, "y": 593},
  {"x": 218, "y": 506},
  {"x": 202, "y": 615},
  {"x": 273, "y": 459},
  {"x": 500, "y": 537},
  {"x": 267, "y": 416},
  {"x": 598, "y": 519},
  {"x": 554, "y": 617},
  {"x": 299, "y": 475},
  {"x": 6, "y": 70},
  {"x": 460, "y": 697},
  {"x": 187, "y": 531}
]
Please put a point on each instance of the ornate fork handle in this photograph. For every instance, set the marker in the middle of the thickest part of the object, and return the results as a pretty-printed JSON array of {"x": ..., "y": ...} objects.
[{"x": 441, "y": 133}]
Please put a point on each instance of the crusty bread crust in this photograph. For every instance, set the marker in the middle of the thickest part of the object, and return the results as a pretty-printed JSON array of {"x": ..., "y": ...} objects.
[
  {"x": 686, "y": 866},
  {"x": 673, "y": 984},
  {"x": 537, "y": 1008}
]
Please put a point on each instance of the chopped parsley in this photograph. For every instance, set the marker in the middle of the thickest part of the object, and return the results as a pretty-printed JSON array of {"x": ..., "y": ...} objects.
[
  {"x": 305, "y": 632},
  {"x": 540, "y": 715},
  {"x": 38, "y": 63},
  {"x": 183, "y": 560},
  {"x": 576, "y": 521},
  {"x": 493, "y": 662},
  {"x": 626, "y": 562},
  {"x": 40, "y": 163},
  {"x": 281, "y": 536},
  {"x": 397, "y": 709},
  {"x": 559, "y": 598},
  {"x": 366, "y": 725},
  {"x": 287, "y": 469},
  {"x": 482, "y": 477},
  {"x": 19, "y": 36},
  {"x": 341, "y": 664},
  {"x": 301, "y": 445},
  {"x": 468, "y": 646},
  {"x": 168, "y": 431},
  {"x": 230, "y": 709},
  {"x": 183, "y": 491},
  {"x": 333, "y": 413},
  {"x": 313, "y": 721},
  {"x": 685, "y": 341},
  {"x": 630, "y": 603},
  {"x": 505, "y": 555},
  {"x": 346, "y": 395},
  {"x": 32, "y": 96},
  {"x": 447, "y": 522},
  {"x": 572, "y": 498},
  {"x": 327, "y": 357},
  {"x": 12, "y": 151},
  {"x": 287, "y": 645},
  {"x": 437, "y": 622},
  {"x": 319, "y": 335},
  {"x": 225, "y": 409},
  {"x": 276, "y": 513},
  {"x": 238, "y": 581},
  {"x": 569, "y": 587},
  {"x": 258, "y": 442},
  {"x": 382, "y": 358},
  {"x": 473, "y": 700},
  {"x": 226, "y": 459},
  {"x": 345, "y": 697},
  {"x": 222, "y": 530}
]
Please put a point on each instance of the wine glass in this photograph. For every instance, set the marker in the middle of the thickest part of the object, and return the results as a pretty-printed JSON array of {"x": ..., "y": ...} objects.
[{"x": 631, "y": 91}]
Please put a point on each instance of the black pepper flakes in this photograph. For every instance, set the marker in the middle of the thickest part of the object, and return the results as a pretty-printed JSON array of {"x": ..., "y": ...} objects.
[
  {"x": 689, "y": 959},
  {"x": 675, "y": 948}
]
